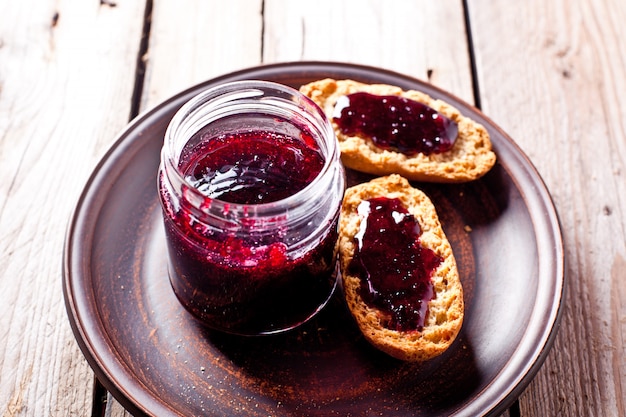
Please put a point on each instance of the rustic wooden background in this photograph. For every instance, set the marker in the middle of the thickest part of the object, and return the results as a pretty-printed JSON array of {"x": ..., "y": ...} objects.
[{"x": 552, "y": 73}]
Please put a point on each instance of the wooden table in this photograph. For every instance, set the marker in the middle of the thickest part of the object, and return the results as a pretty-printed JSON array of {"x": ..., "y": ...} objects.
[{"x": 73, "y": 73}]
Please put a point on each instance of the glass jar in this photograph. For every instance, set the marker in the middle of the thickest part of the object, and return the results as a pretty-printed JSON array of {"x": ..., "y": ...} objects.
[{"x": 251, "y": 186}]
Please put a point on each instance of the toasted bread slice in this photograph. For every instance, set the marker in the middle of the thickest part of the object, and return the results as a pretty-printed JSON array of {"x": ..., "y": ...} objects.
[
  {"x": 470, "y": 157},
  {"x": 445, "y": 311}
]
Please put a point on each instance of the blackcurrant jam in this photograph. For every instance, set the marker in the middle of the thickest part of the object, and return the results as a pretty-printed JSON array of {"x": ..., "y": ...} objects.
[
  {"x": 251, "y": 187},
  {"x": 252, "y": 167},
  {"x": 395, "y": 123},
  {"x": 395, "y": 270}
]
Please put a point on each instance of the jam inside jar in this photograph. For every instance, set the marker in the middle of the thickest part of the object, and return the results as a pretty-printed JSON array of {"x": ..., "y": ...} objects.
[{"x": 251, "y": 186}]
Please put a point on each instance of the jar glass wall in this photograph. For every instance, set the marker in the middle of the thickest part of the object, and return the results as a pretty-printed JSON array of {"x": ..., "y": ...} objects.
[{"x": 251, "y": 186}]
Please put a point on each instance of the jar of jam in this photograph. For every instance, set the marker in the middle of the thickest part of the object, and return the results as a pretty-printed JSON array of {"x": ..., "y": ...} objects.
[{"x": 251, "y": 186}]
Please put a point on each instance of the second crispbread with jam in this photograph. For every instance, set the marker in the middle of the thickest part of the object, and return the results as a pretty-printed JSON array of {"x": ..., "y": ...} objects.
[{"x": 445, "y": 310}]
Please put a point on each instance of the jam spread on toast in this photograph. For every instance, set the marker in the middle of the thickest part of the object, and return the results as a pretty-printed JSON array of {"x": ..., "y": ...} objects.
[
  {"x": 395, "y": 270},
  {"x": 395, "y": 123}
]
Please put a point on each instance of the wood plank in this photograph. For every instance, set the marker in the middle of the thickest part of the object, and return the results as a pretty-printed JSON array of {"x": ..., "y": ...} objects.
[
  {"x": 115, "y": 409},
  {"x": 66, "y": 79},
  {"x": 423, "y": 39},
  {"x": 553, "y": 74},
  {"x": 194, "y": 40}
]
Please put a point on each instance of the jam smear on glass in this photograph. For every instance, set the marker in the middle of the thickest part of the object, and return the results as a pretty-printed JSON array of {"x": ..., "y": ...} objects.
[
  {"x": 242, "y": 282},
  {"x": 395, "y": 123},
  {"x": 395, "y": 270}
]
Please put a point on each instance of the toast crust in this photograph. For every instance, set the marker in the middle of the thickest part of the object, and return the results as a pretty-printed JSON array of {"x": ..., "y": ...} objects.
[
  {"x": 445, "y": 310},
  {"x": 469, "y": 159}
]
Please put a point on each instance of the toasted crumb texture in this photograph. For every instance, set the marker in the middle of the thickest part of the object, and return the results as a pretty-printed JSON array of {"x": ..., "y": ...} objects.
[
  {"x": 469, "y": 159},
  {"x": 445, "y": 311}
]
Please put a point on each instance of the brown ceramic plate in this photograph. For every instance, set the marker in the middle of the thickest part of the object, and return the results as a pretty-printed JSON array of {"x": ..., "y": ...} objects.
[{"x": 156, "y": 360}]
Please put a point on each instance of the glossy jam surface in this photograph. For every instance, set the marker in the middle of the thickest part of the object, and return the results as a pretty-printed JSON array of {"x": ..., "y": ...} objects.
[
  {"x": 395, "y": 123},
  {"x": 248, "y": 283},
  {"x": 252, "y": 167},
  {"x": 395, "y": 270}
]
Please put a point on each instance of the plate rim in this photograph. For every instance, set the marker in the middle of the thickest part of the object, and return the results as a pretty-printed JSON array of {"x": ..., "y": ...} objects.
[{"x": 92, "y": 347}]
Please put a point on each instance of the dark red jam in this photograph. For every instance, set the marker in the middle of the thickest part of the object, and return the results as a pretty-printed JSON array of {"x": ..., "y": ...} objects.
[
  {"x": 395, "y": 123},
  {"x": 252, "y": 167},
  {"x": 245, "y": 282},
  {"x": 395, "y": 270}
]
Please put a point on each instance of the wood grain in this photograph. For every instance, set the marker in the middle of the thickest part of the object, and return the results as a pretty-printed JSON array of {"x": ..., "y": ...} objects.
[
  {"x": 553, "y": 75},
  {"x": 194, "y": 40},
  {"x": 424, "y": 39},
  {"x": 66, "y": 78}
]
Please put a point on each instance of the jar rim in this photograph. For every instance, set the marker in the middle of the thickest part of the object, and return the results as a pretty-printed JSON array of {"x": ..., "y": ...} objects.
[{"x": 273, "y": 93}]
